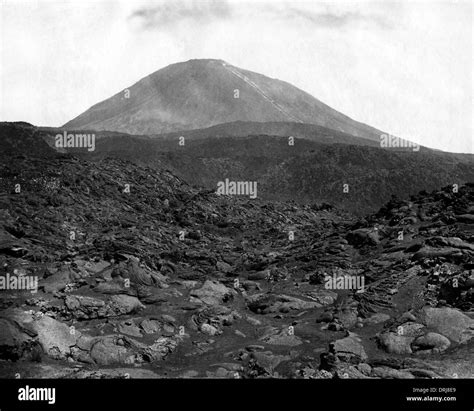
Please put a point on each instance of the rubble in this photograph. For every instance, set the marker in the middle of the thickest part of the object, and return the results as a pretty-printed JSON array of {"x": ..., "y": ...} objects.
[{"x": 136, "y": 268}]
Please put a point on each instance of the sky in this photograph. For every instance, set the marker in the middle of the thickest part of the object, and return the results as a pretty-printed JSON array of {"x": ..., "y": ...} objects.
[{"x": 404, "y": 67}]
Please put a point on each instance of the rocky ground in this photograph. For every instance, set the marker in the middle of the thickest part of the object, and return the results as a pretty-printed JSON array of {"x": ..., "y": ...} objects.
[{"x": 143, "y": 276}]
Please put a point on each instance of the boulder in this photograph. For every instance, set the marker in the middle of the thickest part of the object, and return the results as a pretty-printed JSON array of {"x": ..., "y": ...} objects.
[
  {"x": 324, "y": 297},
  {"x": 212, "y": 293},
  {"x": 271, "y": 303},
  {"x": 451, "y": 323},
  {"x": 394, "y": 343},
  {"x": 124, "y": 304},
  {"x": 209, "y": 329},
  {"x": 129, "y": 327},
  {"x": 363, "y": 236},
  {"x": 20, "y": 330},
  {"x": 56, "y": 282},
  {"x": 114, "y": 349},
  {"x": 13, "y": 340},
  {"x": 56, "y": 338},
  {"x": 160, "y": 349},
  {"x": 85, "y": 308},
  {"x": 216, "y": 317},
  {"x": 347, "y": 318},
  {"x": 349, "y": 349},
  {"x": 268, "y": 360},
  {"x": 275, "y": 336},
  {"x": 433, "y": 342}
]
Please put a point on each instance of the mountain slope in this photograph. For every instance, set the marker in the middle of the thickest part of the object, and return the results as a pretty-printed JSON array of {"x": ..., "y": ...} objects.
[
  {"x": 19, "y": 138},
  {"x": 307, "y": 172},
  {"x": 202, "y": 93},
  {"x": 306, "y": 131},
  {"x": 314, "y": 169}
]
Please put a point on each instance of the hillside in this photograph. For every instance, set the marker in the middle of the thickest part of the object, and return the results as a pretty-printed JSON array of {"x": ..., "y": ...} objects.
[{"x": 314, "y": 169}]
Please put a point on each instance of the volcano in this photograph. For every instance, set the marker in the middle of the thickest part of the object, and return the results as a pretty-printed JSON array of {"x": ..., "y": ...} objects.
[{"x": 203, "y": 93}]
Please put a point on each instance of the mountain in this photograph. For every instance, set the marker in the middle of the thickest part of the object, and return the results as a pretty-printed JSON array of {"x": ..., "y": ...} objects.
[{"x": 203, "y": 93}]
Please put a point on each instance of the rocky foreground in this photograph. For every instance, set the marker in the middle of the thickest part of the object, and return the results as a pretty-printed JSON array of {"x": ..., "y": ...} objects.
[{"x": 140, "y": 275}]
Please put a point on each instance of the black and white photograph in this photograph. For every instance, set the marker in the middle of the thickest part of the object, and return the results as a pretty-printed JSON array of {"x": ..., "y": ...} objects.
[{"x": 233, "y": 197}]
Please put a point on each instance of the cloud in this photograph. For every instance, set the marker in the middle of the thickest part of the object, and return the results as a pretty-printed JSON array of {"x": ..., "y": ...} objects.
[
  {"x": 334, "y": 18},
  {"x": 171, "y": 13},
  {"x": 319, "y": 15}
]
